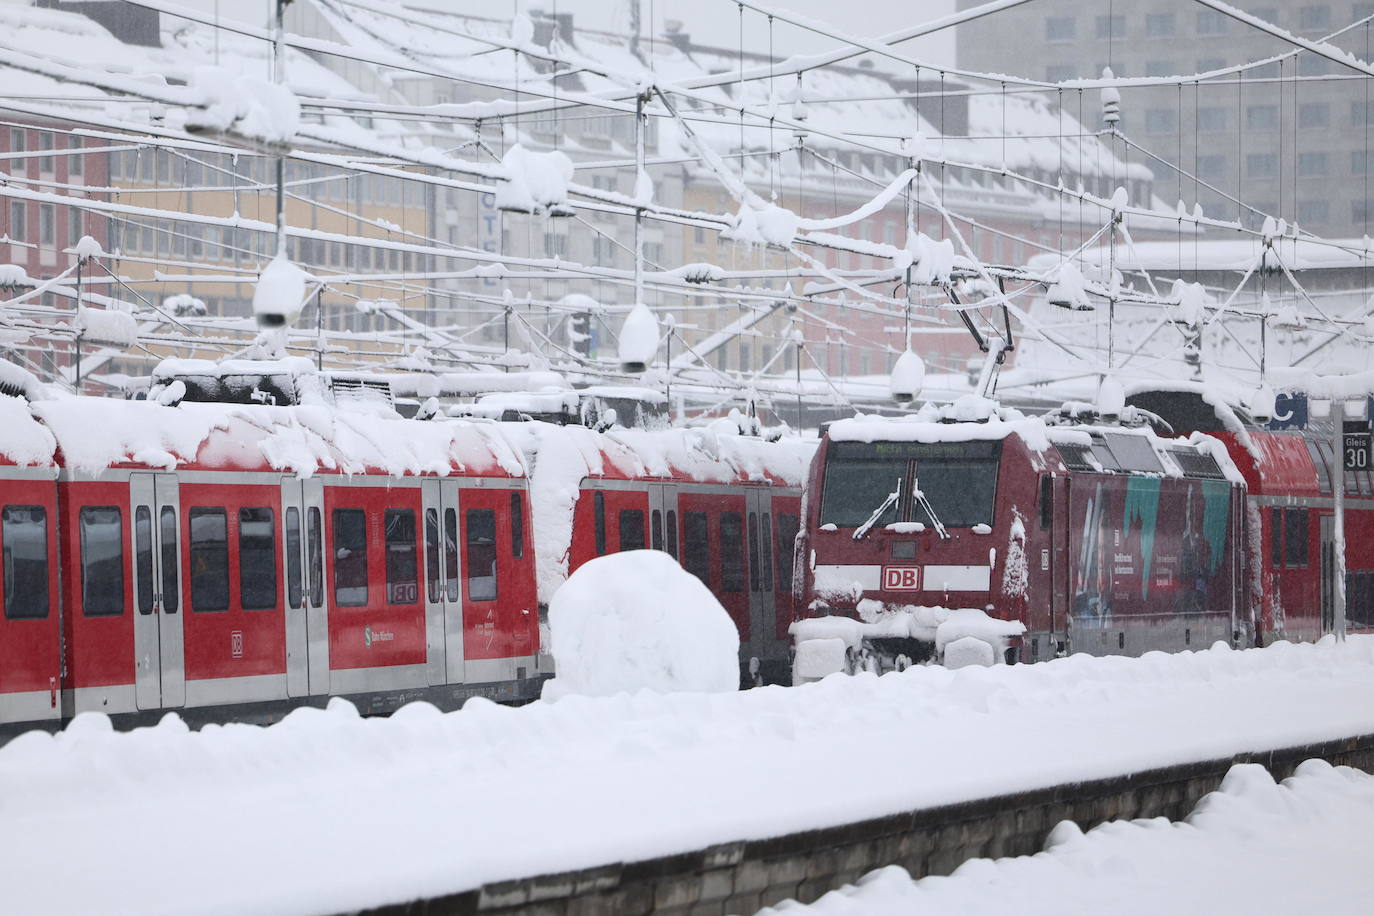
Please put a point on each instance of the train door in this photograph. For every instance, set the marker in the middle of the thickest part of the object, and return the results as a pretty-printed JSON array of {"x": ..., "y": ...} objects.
[
  {"x": 443, "y": 586},
  {"x": 307, "y": 628},
  {"x": 663, "y": 527},
  {"x": 763, "y": 644},
  {"x": 1328, "y": 574},
  {"x": 489, "y": 615},
  {"x": 159, "y": 647}
]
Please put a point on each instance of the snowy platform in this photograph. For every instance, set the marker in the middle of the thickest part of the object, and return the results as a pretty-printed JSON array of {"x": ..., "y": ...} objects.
[{"x": 327, "y": 812}]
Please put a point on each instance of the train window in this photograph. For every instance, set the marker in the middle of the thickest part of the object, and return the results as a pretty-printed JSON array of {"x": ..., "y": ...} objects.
[
  {"x": 481, "y": 554},
  {"x": 766, "y": 539},
  {"x": 1276, "y": 537},
  {"x": 731, "y": 552},
  {"x": 656, "y": 530},
  {"x": 961, "y": 491},
  {"x": 432, "y": 555},
  {"x": 25, "y": 535},
  {"x": 1295, "y": 537},
  {"x": 1134, "y": 453},
  {"x": 753, "y": 551},
  {"x": 672, "y": 533},
  {"x": 696, "y": 546},
  {"x": 1103, "y": 453},
  {"x": 102, "y": 561},
  {"x": 257, "y": 559},
  {"x": 451, "y": 552},
  {"x": 171, "y": 573},
  {"x": 1359, "y": 606},
  {"x": 787, "y": 536},
  {"x": 599, "y": 509},
  {"x": 314, "y": 545},
  {"x": 350, "y": 557},
  {"x": 293, "y": 556},
  {"x": 1046, "y": 502},
  {"x": 143, "y": 558},
  {"x": 858, "y": 478},
  {"x": 1318, "y": 455},
  {"x": 631, "y": 529},
  {"x": 209, "y": 560},
  {"x": 402, "y": 581},
  {"x": 517, "y": 526}
]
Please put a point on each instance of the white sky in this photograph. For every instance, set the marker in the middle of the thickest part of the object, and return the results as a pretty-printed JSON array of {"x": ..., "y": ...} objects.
[{"x": 708, "y": 21}]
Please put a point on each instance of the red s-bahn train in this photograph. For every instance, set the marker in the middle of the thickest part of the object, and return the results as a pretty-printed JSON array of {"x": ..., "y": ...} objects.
[
  {"x": 237, "y": 561},
  {"x": 1096, "y": 537}
]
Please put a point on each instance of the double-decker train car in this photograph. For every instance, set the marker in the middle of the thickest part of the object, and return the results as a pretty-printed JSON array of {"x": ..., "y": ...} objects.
[
  {"x": 1288, "y": 466},
  {"x": 1066, "y": 537},
  {"x": 728, "y": 507}
]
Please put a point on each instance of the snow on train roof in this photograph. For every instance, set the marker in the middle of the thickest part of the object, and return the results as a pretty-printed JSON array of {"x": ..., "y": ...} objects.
[
  {"x": 562, "y": 457},
  {"x": 945, "y": 423},
  {"x": 95, "y": 434}
]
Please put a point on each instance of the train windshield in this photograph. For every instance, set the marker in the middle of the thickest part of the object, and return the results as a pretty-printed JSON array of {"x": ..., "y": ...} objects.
[{"x": 959, "y": 480}]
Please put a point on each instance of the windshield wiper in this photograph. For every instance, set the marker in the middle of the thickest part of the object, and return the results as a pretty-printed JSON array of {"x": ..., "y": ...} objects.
[
  {"x": 867, "y": 526},
  {"x": 924, "y": 503}
]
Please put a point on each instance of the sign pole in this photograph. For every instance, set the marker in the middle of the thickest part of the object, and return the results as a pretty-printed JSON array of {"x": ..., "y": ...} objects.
[{"x": 1338, "y": 538}]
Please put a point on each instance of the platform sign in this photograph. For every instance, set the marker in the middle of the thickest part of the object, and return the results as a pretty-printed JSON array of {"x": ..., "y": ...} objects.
[
  {"x": 1355, "y": 445},
  {"x": 1290, "y": 411}
]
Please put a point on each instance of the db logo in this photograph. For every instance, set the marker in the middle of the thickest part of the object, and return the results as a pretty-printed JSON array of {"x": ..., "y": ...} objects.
[{"x": 901, "y": 578}]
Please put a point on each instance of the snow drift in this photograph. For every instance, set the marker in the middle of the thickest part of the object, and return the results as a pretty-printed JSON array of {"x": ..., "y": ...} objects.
[{"x": 639, "y": 621}]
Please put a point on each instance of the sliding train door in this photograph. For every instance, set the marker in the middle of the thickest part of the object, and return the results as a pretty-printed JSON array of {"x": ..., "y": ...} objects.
[{"x": 159, "y": 646}]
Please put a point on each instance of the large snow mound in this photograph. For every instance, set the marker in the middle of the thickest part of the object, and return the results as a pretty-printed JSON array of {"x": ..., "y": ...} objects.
[
  {"x": 1315, "y": 824},
  {"x": 638, "y": 621}
]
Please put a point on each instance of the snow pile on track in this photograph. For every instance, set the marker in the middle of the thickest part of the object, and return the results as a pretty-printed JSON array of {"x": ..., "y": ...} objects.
[
  {"x": 1316, "y": 824},
  {"x": 639, "y": 621},
  {"x": 439, "y": 803}
]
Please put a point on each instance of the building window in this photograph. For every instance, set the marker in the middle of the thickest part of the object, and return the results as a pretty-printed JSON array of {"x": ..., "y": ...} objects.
[
  {"x": 1314, "y": 114},
  {"x": 1158, "y": 120},
  {"x": 1058, "y": 73},
  {"x": 257, "y": 559},
  {"x": 1312, "y": 165},
  {"x": 17, "y": 138},
  {"x": 1060, "y": 28},
  {"x": 24, "y": 531},
  {"x": 1312, "y": 65},
  {"x": 1159, "y": 25},
  {"x": 1210, "y": 22},
  {"x": 1160, "y": 68},
  {"x": 350, "y": 557},
  {"x": 102, "y": 561},
  {"x": 1262, "y": 117},
  {"x": 1314, "y": 17},
  {"x": 1359, "y": 212},
  {"x": 209, "y": 560},
  {"x": 1314, "y": 212},
  {"x": 19, "y": 221},
  {"x": 1262, "y": 165},
  {"x": 1208, "y": 64},
  {"x": 1211, "y": 168},
  {"x": 1111, "y": 26},
  {"x": 1359, "y": 113},
  {"x": 1211, "y": 119}
]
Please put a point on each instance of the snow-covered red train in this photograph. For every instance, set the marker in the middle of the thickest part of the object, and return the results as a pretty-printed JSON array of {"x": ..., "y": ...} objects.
[
  {"x": 234, "y": 561},
  {"x": 1039, "y": 537}
]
